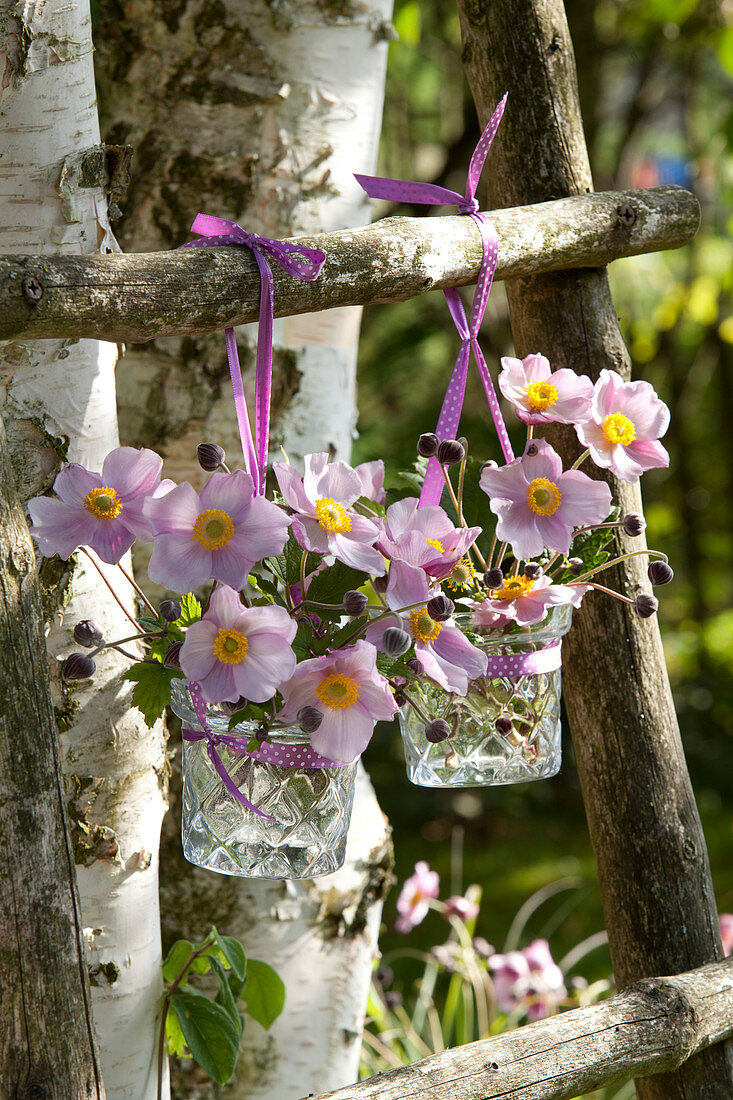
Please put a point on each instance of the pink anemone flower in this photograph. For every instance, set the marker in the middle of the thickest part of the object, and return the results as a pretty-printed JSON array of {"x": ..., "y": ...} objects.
[
  {"x": 441, "y": 649},
  {"x": 528, "y": 979},
  {"x": 415, "y": 895},
  {"x": 541, "y": 395},
  {"x": 347, "y": 689},
  {"x": 525, "y": 601},
  {"x": 371, "y": 475},
  {"x": 324, "y": 519},
  {"x": 461, "y": 907},
  {"x": 726, "y": 932},
  {"x": 236, "y": 650},
  {"x": 218, "y": 533},
  {"x": 538, "y": 505},
  {"x": 623, "y": 429},
  {"x": 424, "y": 537},
  {"x": 103, "y": 511}
]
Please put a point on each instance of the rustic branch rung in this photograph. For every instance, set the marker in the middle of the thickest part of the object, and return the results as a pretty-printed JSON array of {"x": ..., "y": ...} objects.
[
  {"x": 652, "y": 1027},
  {"x": 148, "y": 295}
]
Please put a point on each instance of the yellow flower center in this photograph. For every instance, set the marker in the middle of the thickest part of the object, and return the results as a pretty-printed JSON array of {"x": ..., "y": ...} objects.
[
  {"x": 513, "y": 588},
  {"x": 213, "y": 529},
  {"x": 617, "y": 428},
  {"x": 332, "y": 517},
  {"x": 543, "y": 496},
  {"x": 436, "y": 544},
  {"x": 423, "y": 628},
  {"x": 337, "y": 691},
  {"x": 541, "y": 395},
  {"x": 463, "y": 574},
  {"x": 230, "y": 647},
  {"x": 103, "y": 503}
]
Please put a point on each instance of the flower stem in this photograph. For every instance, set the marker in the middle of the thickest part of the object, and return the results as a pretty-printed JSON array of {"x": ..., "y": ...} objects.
[
  {"x": 580, "y": 460},
  {"x": 116, "y": 598},
  {"x": 166, "y": 1005},
  {"x": 130, "y": 580},
  {"x": 614, "y": 561},
  {"x": 456, "y": 505},
  {"x": 608, "y": 591}
]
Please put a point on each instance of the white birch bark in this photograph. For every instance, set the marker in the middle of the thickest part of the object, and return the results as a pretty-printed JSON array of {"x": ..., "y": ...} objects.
[
  {"x": 260, "y": 114},
  {"x": 58, "y": 399}
]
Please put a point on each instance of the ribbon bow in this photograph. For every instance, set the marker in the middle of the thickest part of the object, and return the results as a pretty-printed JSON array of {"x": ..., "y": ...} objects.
[
  {"x": 432, "y": 194},
  {"x": 301, "y": 263}
]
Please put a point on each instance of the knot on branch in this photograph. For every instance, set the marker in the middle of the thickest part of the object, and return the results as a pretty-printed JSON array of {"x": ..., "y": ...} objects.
[{"x": 676, "y": 1009}]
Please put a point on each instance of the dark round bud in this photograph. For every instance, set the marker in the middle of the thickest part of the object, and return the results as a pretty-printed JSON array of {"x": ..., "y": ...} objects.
[
  {"x": 659, "y": 572},
  {"x": 532, "y": 450},
  {"x": 490, "y": 465},
  {"x": 633, "y": 524},
  {"x": 493, "y": 578},
  {"x": 384, "y": 975},
  {"x": 172, "y": 657},
  {"x": 379, "y": 584},
  {"x": 78, "y": 666},
  {"x": 393, "y": 998},
  {"x": 450, "y": 452},
  {"x": 437, "y": 730},
  {"x": 427, "y": 444},
  {"x": 533, "y": 570},
  {"x": 170, "y": 610},
  {"x": 231, "y": 706},
  {"x": 645, "y": 605},
  {"x": 354, "y": 603},
  {"x": 575, "y": 566},
  {"x": 210, "y": 456},
  {"x": 400, "y": 698},
  {"x": 503, "y": 726},
  {"x": 395, "y": 642},
  {"x": 88, "y": 633},
  {"x": 440, "y": 608},
  {"x": 414, "y": 665},
  {"x": 309, "y": 719}
]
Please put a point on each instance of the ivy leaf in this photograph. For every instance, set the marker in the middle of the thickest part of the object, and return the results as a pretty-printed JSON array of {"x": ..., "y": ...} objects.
[
  {"x": 152, "y": 691},
  {"x": 210, "y": 1032},
  {"x": 264, "y": 993}
]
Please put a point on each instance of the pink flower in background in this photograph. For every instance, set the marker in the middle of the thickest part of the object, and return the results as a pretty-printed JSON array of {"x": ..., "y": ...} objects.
[
  {"x": 442, "y": 650},
  {"x": 726, "y": 932},
  {"x": 103, "y": 511},
  {"x": 624, "y": 426},
  {"x": 325, "y": 521},
  {"x": 424, "y": 537},
  {"x": 458, "y": 906},
  {"x": 538, "y": 504},
  {"x": 371, "y": 475},
  {"x": 236, "y": 650},
  {"x": 350, "y": 693},
  {"x": 541, "y": 395},
  {"x": 416, "y": 892},
  {"x": 525, "y": 601},
  {"x": 528, "y": 979},
  {"x": 218, "y": 533}
]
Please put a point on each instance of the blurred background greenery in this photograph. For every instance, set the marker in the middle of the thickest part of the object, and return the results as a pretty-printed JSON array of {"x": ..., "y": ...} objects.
[{"x": 656, "y": 79}]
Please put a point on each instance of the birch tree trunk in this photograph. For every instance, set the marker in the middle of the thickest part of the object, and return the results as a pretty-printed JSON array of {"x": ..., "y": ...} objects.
[
  {"x": 59, "y": 404},
  {"x": 259, "y": 112}
]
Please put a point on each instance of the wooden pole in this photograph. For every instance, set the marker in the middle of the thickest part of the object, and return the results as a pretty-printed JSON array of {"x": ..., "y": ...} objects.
[
  {"x": 645, "y": 828},
  {"x": 654, "y": 1025},
  {"x": 47, "y": 1043},
  {"x": 139, "y": 297}
]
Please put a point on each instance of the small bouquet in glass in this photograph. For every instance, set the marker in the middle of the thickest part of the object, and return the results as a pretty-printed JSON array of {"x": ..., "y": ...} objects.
[{"x": 301, "y": 621}]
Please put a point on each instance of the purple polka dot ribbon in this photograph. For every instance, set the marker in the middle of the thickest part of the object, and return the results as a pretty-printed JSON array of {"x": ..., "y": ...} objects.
[
  {"x": 284, "y": 756},
  {"x": 430, "y": 193},
  {"x": 548, "y": 659},
  {"x": 300, "y": 262}
]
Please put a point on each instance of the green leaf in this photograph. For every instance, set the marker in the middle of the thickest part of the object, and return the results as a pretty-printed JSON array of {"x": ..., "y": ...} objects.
[
  {"x": 179, "y": 953},
  {"x": 225, "y": 997},
  {"x": 152, "y": 691},
  {"x": 210, "y": 1032},
  {"x": 302, "y": 640},
  {"x": 264, "y": 993},
  {"x": 174, "y": 1037},
  {"x": 233, "y": 954},
  {"x": 330, "y": 585},
  {"x": 190, "y": 610},
  {"x": 251, "y": 713}
]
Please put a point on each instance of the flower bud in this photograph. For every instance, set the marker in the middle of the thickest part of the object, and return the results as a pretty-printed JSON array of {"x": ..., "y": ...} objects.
[
  {"x": 645, "y": 605},
  {"x": 309, "y": 719},
  {"x": 384, "y": 975},
  {"x": 440, "y": 608},
  {"x": 172, "y": 657},
  {"x": 395, "y": 641},
  {"x": 379, "y": 584},
  {"x": 393, "y": 998},
  {"x": 437, "y": 731},
  {"x": 427, "y": 444},
  {"x": 88, "y": 633},
  {"x": 354, "y": 603},
  {"x": 633, "y": 524},
  {"x": 210, "y": 456},
  {"x": 503, "y": 725},
  {"x": 490, "y": 465},
  {"x": 493, "y": 578},
  {"x": 78, "y": 666},
  {"x": 231, "y": 706},
  {"x": 532, "y": 450},
  {"x": 659, "y": 572},
  {"x": 532, "y": 570},
  {"x": 400, "y": 698},
  {"x": 414, "y": 665},
  {"x": 450, "y": 452},
  {"x": 170, "y": 610},
  {"x": 575, "y": 566}
]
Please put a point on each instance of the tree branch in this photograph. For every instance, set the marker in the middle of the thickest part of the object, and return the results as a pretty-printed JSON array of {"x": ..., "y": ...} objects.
[{"x": 197, "y": 290}]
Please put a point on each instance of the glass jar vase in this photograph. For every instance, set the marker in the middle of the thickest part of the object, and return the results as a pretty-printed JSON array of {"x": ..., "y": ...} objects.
[
  {"x": 476, "y": 753},
  {"x": 308, "y": 808}
]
